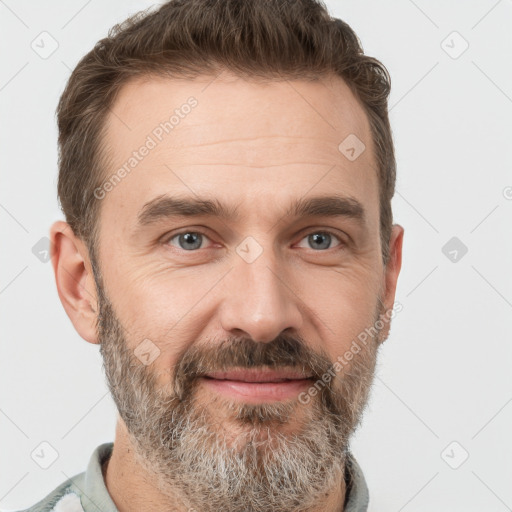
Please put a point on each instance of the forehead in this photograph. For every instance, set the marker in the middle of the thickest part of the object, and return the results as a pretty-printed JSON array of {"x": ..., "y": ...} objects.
[{"x": 236, "y": 139}]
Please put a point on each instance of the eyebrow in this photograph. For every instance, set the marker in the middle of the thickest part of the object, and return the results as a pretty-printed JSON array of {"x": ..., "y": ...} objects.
[{"x": 167, "y": 207}]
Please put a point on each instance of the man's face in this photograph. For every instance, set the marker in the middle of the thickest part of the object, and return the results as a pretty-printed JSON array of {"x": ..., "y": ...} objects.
[{"x": 240, "y": 315}]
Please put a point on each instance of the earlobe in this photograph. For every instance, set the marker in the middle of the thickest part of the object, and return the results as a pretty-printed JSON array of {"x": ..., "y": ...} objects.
[{"x": 74, "y": 279}]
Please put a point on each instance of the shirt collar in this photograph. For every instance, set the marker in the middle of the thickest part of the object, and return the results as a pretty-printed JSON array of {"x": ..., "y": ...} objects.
[
  {"x": 356, "y": 496},
  {"x": 94, "y": 493}
]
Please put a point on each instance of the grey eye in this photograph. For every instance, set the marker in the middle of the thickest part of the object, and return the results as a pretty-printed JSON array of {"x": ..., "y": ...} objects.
[
  {"x": 320, "y": 240},
  {"x": 188, "y": 241}
]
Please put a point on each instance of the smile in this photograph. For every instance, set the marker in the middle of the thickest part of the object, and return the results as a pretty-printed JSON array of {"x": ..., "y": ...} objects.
[{"x": 256, "y": 386}]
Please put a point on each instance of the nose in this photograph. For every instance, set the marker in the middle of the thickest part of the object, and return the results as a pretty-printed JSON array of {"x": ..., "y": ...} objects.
[{"x": 259, "y": 301}]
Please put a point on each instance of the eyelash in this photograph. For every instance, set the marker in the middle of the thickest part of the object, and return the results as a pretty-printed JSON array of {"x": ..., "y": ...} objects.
[{"x": 342, "y": 244}]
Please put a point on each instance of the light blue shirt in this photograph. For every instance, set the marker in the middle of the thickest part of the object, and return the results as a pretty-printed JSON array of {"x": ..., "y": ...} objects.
[{"x": 87, "y": 492}]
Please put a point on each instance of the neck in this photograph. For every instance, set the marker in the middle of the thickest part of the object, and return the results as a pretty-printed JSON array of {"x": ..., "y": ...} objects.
[{"x": 131, "y": 488}]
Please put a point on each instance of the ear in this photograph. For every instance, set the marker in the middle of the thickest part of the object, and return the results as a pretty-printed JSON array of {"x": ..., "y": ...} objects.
[
  {"x": 391, "y": 272},
  {"x": 74, "y": 279}
]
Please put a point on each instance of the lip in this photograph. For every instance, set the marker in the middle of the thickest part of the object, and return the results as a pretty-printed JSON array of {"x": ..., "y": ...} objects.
[{"x": 256, "y": 386}]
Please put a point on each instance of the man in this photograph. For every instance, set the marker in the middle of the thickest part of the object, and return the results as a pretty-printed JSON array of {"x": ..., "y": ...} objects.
[{"x": 226, "y": 173}]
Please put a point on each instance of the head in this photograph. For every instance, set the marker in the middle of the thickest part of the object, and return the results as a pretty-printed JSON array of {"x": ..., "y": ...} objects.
[{"x": 226, "y": 174}]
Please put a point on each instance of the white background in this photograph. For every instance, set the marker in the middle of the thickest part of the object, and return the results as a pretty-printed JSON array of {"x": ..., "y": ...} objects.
[{"x": 444, "y": 374}]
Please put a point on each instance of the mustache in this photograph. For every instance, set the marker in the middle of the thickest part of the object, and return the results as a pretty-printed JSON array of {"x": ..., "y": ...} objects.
[{"x": 245, "y": 353}]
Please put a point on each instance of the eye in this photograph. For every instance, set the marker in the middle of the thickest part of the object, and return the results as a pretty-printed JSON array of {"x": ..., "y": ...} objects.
[
  {"x": 187, "y": 240},
  {"x": 191, "y": 241},
  {"x": 322, "y": 240}
]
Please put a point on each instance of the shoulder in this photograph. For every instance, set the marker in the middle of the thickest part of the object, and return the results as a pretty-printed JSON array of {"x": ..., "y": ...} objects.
[
  {"x": 62, "y": 499},
  {"x": 81, "y": 492}
]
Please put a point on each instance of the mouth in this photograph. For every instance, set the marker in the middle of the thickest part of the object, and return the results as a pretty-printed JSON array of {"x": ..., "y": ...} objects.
[{"x": 257, "y": 386}]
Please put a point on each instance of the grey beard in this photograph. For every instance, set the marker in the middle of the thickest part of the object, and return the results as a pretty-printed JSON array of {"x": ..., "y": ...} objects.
[{"x": 259, "y": 469}]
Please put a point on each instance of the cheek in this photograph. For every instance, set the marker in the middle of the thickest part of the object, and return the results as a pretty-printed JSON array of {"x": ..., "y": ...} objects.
[
  {"x": 152, "y": 299},
  {"x": 344, "y": 304},
  {"x": 160, "y": 310}
]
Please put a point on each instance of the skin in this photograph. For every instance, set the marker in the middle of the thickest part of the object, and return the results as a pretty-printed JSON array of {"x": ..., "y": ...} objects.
[{"x": 257, "y": 146}]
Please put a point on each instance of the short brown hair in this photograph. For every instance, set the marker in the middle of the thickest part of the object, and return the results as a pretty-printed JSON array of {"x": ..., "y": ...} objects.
[{"x": 281, "y": 39}]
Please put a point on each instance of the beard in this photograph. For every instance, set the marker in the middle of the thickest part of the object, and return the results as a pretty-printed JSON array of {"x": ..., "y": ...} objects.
[{"x": 215, "y": 454}]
